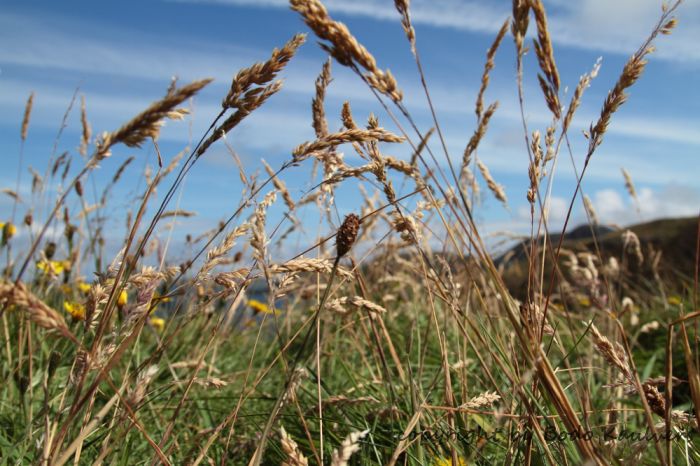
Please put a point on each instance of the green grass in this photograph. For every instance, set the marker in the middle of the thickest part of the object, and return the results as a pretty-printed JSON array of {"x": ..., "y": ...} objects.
[{"x": 428, "y": 359}]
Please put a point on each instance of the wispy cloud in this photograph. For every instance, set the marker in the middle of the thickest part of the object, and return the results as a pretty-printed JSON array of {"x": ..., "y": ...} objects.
[
  {"x": 620, "y": 26},
  {"x": 60, "y": 44},
  {"x": 601, "y": 25},
  {"x": 669, "y": 201},
  {"x": 138, "y": 58},
  {"x": 613, "y": 207},
  {"x": 502, "y": 147}
]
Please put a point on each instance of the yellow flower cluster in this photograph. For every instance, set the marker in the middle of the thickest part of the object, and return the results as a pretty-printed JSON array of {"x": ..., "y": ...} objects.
[
  {"x": 8, "y": 231},
  {"x": 122, "y": 299},
  {"x": 81, "y": 286},
  {"x": 674, "y": 300},
  {"x": 157, "y": 299},
  {"x": 260, "y": 307},
  {"x": 76, "y": 310},
  {"x": 157, "y": 323},
  {"x": 584, "y": 301},
  {"x": 448, "y": 461},
  {"x": 50, "y": 267}
]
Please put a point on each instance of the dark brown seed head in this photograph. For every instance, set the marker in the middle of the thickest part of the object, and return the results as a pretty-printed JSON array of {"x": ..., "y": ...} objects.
[
  {"x": 656, "y": 401},
  {"x": 54, "y": 361},
  {"x": 50, "y": 250},
  {"x": 22, "y": 382},
  {"x": 347, "y": 234}
]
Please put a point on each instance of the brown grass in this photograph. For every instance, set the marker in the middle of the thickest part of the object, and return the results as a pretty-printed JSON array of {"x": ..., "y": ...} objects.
[{"x": 179, "y": 357}]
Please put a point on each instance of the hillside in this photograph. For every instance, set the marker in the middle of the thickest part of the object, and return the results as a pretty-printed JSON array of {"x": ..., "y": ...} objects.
[{"x": 668, "y": 247}]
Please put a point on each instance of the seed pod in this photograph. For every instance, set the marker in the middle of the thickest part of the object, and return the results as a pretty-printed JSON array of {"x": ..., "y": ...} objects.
[
  {"x": 79, "y": 188},
  {"x": 54, "y": 361},
  {"x": 22, "y": 382},
  {"x": 347, "y": 234},
  {"x": 69, "y": 232},
  {"x": 50, "y": 250}
]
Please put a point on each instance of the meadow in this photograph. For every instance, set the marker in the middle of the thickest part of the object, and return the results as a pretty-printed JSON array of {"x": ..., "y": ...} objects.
[{"x": 397, "y": 337}]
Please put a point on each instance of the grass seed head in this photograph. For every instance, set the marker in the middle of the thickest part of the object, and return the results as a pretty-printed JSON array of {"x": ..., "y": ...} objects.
[{"x": 347, "y": 234}]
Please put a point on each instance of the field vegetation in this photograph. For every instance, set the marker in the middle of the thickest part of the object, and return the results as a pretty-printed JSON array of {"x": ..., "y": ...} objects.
[{"x": 395, "y": 338}]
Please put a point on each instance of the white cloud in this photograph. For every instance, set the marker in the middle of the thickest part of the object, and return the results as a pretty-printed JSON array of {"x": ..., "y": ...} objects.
[
  {"x": 458, "y": 14},
  {"x": 608, "y": 203},
  {"x": 277, "y": 127},
  {"x": 672, "y": 200},
  {"x": 662, "y": 129},
  {"x": 555, "y": 212},
  {"x": 614, "y": 208},
  {"x": 620, "y": 26},
  {"x": 556, "y": 209},
  {"x": 62, "y": 45}
]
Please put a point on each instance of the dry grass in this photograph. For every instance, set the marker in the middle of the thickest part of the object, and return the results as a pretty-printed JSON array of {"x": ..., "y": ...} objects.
[
  {"x": 345, "y": 48},
  {"x": 392, "y": 346}
]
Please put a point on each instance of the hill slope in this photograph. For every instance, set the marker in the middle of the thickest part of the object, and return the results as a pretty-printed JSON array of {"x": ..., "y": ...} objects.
[{"x": 668, "y": 248}]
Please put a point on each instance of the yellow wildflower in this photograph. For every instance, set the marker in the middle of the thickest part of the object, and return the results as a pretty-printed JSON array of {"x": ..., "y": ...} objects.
[
  {"x": 163, "y": 299},
  {"x": 448, "y": 461},
  {"x": 674, "y": 300},
  {"x": 76, "y": 310},
  {"x": 66, "y": 288},
  {"x": 123, "y": 297},
  {"x": 156, "y": 300},
  {"x": 51, "y": 267},
  {"x": 584, "y": 301},
  {"x": 8, "y": 231},
  {"x": 84, "y": 287},
  {"x": 157, "y": 323},
  {"x": 260, "y": 307}
]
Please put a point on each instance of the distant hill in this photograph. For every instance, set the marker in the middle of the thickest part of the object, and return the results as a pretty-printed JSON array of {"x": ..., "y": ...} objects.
[
  {"x": 580, "y": 233},
  {"x": 675, "y": 239}
]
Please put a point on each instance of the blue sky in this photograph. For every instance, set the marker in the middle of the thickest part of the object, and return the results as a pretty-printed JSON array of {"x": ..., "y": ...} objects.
[{"x": 121, "y": 56}]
